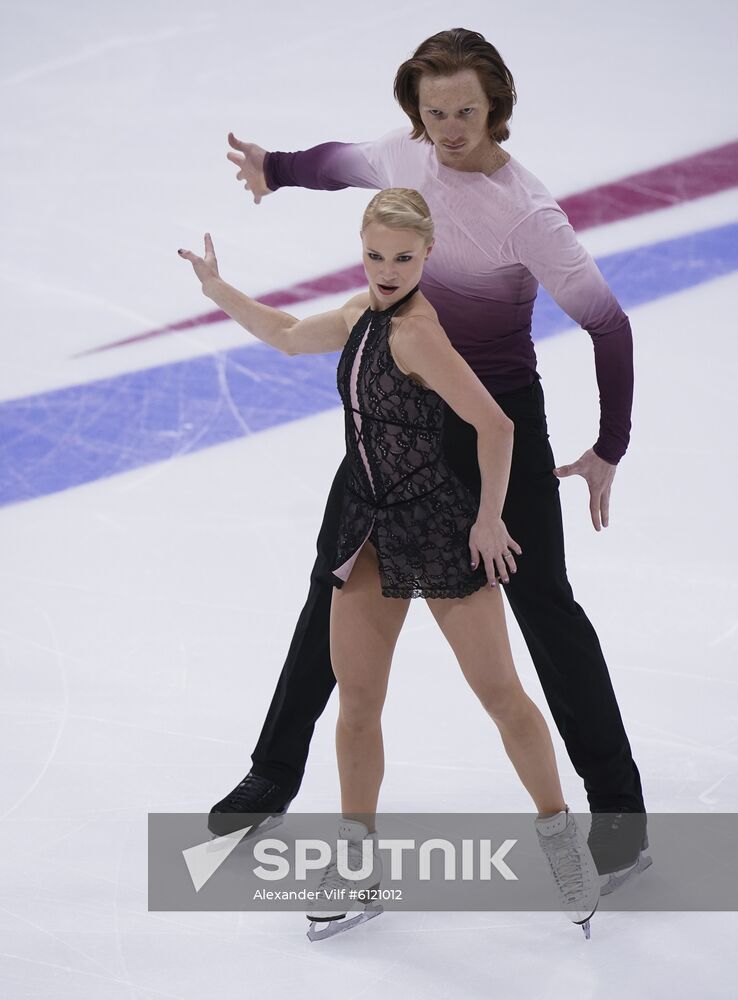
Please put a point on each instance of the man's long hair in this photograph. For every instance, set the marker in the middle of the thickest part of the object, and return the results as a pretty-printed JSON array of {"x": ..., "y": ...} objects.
[{"x": 446, "y": 53}]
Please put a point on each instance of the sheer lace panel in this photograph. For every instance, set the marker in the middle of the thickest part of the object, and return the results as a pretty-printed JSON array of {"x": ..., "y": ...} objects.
[{"x": 401, "y": 494}]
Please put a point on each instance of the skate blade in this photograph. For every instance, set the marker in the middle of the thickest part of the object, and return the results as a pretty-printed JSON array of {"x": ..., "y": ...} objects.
[
  {"x": 319, "y": 931},
  {"x": 584, "y": 924},
  {"x": 609, "y": 883}
]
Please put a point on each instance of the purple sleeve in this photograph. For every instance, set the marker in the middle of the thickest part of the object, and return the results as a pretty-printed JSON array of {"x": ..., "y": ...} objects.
[
  {"x": 327, "y": 167},
  {"x": 547, "y": 245}
]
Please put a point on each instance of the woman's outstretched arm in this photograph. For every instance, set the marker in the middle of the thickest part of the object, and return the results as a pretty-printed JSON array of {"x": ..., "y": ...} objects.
[{"x": 321, "y": 334}]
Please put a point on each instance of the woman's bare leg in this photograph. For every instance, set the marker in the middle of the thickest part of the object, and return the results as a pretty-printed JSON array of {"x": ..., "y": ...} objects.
[
  {"x": 364, "y": 630},
  {"x": 476, "y": 631}
]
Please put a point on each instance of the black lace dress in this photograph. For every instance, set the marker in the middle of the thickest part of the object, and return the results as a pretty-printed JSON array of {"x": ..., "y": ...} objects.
[{"x": 400, "y": 494}]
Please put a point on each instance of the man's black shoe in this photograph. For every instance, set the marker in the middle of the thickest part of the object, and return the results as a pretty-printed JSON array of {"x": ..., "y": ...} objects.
[{"x": 255, "y": 802}]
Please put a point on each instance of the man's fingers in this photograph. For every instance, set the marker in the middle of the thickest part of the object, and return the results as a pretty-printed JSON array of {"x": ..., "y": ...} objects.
[
  {"x": 240, "y": 161},
  {"x": 594, "y": 510},
  {"x": 209, "y": 244},
  {"x": 236, "y": 143},
  {"x": 605, "y": 508},
  {"x": 188, "y": 255}
]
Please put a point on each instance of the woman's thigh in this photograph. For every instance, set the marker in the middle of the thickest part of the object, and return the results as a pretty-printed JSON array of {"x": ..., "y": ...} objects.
[
  {"x": 363, "y": 632},
  {"x": 475, "y": 628}
]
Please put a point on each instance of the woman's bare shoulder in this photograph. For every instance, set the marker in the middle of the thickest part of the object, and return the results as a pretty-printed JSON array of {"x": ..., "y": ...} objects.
[
  {"x": 419, "y": 308},
  {"x": 358, "y": 300},
  {"x": 408, "y": 331},
  {"x": 355, "y": 307},
  {"x": 422, "y": 320}
]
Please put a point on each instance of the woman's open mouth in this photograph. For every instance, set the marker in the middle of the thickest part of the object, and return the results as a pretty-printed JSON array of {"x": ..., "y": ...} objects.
[{"x": 387, "y": 289}]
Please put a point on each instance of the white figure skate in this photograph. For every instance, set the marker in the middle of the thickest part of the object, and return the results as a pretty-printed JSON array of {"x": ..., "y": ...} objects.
[
  {"x": 353, "y": 905},
  {"x": 572, "y": 866}
]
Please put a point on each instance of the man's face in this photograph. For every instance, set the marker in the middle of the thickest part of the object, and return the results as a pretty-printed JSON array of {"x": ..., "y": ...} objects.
[{"x": 454, "y": 110}]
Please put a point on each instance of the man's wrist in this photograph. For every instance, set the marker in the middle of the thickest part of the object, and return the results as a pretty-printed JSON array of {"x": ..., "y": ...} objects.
[{"x": 610, "y": 461}]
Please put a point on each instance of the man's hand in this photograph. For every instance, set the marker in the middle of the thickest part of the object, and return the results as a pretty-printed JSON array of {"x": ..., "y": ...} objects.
[
  {"x": 599, "y": 475},
  {"x": 250, "y": 162}
]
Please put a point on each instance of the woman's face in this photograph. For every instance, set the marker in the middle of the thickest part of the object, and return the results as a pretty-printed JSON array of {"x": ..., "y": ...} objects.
[
  {"x": 454, "y": 110},
  {"x": 393, "y": 261}
]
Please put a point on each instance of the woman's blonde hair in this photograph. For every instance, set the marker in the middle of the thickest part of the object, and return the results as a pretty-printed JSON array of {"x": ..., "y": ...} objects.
[{"x": 400, "y": 208}]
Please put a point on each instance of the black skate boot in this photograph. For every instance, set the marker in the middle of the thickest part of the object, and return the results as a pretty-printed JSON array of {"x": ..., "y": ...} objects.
[
  {"x": 617, "y": 841},
  {"x": 255, "y": 802}
]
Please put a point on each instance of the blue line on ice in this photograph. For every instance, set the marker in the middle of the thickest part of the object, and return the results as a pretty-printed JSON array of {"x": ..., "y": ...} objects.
[{"x": 66, "y": 437}]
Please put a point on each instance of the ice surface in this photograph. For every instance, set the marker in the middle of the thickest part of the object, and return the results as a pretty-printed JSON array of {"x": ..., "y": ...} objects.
[{"x": 144, "y": 617}]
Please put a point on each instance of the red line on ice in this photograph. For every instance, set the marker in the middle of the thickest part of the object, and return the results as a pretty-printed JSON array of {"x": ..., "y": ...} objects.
[{"x": 670, "y": 184}]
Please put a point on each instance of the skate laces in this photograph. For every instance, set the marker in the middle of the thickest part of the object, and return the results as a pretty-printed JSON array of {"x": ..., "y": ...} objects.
[
  {"x": 332, "y": 879},
  {"x": 566, "y": 865},
  {"x": 251, "y": 790}
]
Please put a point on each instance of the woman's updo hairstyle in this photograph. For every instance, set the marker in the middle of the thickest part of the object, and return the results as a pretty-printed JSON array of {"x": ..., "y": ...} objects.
[{"x": 400, "y": 208}]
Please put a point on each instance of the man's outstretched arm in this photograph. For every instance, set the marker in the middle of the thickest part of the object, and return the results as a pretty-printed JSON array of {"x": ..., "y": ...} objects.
[{"x": 329, "y": 166}]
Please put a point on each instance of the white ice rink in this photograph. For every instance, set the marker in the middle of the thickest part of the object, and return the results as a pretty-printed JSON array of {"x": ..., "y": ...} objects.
[{"x": 145, "y": 615}]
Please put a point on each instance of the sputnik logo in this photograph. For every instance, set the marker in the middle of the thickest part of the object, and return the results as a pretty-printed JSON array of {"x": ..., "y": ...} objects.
[{"x": 203, "y": 860}]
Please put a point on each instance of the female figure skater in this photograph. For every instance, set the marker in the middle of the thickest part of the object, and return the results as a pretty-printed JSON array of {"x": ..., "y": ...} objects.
[{"x": 409, "y": 528}]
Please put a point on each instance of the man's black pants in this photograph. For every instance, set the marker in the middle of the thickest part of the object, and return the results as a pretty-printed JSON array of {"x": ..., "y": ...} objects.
[{"x": 562, "y": 642}]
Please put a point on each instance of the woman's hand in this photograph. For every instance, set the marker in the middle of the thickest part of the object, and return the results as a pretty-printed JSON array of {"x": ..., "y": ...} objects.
[
  {"x": 489, "y": 538},
  {"x": 250, "y": 162},
  {"x": 206, "y": 268}
]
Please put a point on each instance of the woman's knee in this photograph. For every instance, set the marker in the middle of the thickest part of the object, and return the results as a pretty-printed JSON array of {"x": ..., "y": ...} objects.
[
  {"x": 359, "y": 711},
  {"x": 504, "y": 702}
]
